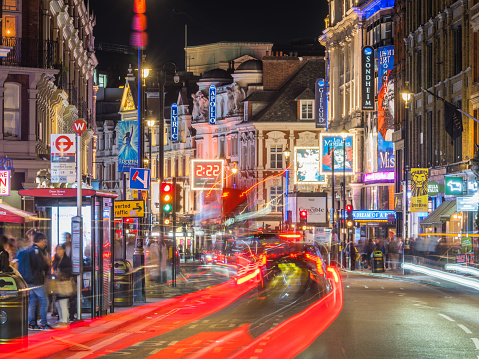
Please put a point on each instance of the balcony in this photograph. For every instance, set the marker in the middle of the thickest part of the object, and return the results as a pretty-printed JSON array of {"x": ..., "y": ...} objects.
[{"x": 29, "y": 52}]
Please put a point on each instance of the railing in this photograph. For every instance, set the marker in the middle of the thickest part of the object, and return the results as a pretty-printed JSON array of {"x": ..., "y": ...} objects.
[{"x": 29, "y": 52}]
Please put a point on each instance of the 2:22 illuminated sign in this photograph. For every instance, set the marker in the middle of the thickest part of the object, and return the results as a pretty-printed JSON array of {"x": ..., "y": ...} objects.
[{"x": 207, "y": 175}]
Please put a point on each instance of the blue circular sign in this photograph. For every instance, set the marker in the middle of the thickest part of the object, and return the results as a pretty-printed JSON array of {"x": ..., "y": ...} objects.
[
  {"x": 368, "y": 51},
  {"x": 321, "y": 83}
]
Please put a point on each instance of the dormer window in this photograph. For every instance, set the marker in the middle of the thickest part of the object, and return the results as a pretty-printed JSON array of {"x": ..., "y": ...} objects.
[{"x": 306, "y": 109}]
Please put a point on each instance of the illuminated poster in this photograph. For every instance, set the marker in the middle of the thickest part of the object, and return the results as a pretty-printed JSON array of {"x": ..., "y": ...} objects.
[
  {"x": 127, "y": 134},
  {"x": 367, "y": 80},
  {"x": 307, "y": 166},
  {"x": 212, "y": 101},
  {"x": 174, "y": 122},
  {"x": 321, "y": 101},
  {"x": 332, "y": 147},
  {"x": 385, "y": 108},
  {"x": 419, "y": 183}
]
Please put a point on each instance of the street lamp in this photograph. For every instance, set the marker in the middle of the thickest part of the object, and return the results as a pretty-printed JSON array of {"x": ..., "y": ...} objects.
[
  {"x": 406, "y": 95},
  {"x": 344, "y": 133},
  {"x": 286, "y": 154}
]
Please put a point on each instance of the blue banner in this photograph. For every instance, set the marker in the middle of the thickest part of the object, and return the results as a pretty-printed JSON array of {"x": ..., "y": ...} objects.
[
  {"x": 332, "y": 148},
  {"x": 127, "y": 134},
  {"x": 321, "y": 100},
  {"x": 174, "y": 122},
  {"x": 212, "y": 100}
]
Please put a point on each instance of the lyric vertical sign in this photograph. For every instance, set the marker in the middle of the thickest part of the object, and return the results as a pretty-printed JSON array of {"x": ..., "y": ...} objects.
[
  {"x": 174, "y": 122},
  {"x": 212, "y": 100},
  {"x": 321, "y": 99},
  {"x": 367, "y": 85}
]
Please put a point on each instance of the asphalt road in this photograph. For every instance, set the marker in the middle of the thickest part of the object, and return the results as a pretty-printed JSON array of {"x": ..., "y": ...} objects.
[{"x": 390, "y": 318}]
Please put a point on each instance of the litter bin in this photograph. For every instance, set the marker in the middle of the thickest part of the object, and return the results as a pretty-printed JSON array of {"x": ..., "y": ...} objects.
[
  {"x": 123, "y": 284},
  {"x": 377, "y": 262},
  {"x": 14, "y": 298}
]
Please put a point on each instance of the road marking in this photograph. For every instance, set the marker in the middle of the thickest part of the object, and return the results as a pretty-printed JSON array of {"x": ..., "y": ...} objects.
[
  {"x": 232, "y": 325},
  {"x": 173, "y": 342},
  {"x": 366, "y": 286},
  {"x": 155, "y": 351},
  {"x": 193, "y": 326},
  {"x": 206, "y": 321},
  {"x": 476, "y": 343},
  {"x": 258, "y": 350},
  {"x": 448, "y": 318},
  {"x": 464, "y": 328}
]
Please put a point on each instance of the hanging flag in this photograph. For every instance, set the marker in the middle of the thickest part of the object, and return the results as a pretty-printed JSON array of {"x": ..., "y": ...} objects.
[{"x": 419, "y": 189}]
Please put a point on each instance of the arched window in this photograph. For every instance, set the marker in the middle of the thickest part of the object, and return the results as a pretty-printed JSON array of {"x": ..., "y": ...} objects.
[{"x": 11, "y": 110}]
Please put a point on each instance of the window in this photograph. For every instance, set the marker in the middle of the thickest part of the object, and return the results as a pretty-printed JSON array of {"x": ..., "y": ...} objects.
[
  {"x": 307, "y": 109},
  {"x": 101, "y": 80},
  {"x": 429, "y": 65},
  {"x": 457, "y": 50},
  {"x": 276, "y": 198},
  {"x": 276, "y": 156},
  {"x": 9, "y": 27},
  {"x": 10, "y": 5},
  {"x": 429, "y": 149},
  {"x": 458, "y": 141},
  {"x": 11, "y": 110},
  {"x": 419, "y": 71}
]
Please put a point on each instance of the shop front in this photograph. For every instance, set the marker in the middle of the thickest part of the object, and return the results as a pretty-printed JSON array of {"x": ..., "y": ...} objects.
[{"x": 379, "y": 224}]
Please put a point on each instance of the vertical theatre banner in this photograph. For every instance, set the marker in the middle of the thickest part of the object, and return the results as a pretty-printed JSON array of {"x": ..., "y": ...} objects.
[
  {"x": 174, "y": 122},
  {"x": 419, "y": 183},
  {"x": 321, "y": 100},
  {"x": 385, "y": 108},
  {"x": 367, "y": 80},
  {"x": 212, "y": 104},
  {"x": 338, "y": 152},
  {"x": 127, "y": 134}
]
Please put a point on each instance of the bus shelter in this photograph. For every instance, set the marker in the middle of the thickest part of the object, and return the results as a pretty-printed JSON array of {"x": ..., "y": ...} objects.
[{"x": 97, "y": 239}]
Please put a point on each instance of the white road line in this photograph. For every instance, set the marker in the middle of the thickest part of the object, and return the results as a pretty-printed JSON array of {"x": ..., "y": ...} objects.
[
  {"x": 155, "y": 351},
  {"x": 476, "y": 343},
  {"x": 193, "y": 326},
  {"x": 448, "y": 318},
  {"x": 464, "y": 328},
  {"x": 173, "y": 342}
]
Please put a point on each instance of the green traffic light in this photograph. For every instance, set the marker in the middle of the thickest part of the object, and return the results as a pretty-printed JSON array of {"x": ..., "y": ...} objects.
[{"x": 167, "y": 207}]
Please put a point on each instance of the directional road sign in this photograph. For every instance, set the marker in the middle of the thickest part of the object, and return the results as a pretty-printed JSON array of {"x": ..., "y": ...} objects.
[
  {"x": 139, "y": 178},
  {"x": 129, "y": 209},
  {"x": 454, "y": 186}
]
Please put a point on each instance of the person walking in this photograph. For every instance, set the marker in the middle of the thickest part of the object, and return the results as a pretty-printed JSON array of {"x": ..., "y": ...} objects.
[
  {"x": 4, "y": 256},
  {"x": 40, "y": 265},
  {"x": 63, "y": 288}
]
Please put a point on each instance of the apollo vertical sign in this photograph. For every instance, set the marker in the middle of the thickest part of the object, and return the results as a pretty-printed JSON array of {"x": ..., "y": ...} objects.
[
  {"x": 174, "y": 122},
  {"x": 212, "y": 100},
  {"x": 367, "y": 85},
  {"x": 321, "y": 100}
]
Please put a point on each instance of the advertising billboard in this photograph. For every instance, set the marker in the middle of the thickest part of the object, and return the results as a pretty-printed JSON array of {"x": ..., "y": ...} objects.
[
  {"x": 306, "y": 162},
  {"x": 315, "y": 203},
  {"x": 419, "y": 183},
  {"x": 332, "y": 148},
  {"x": 385, "y": 108},
  {"x": 321, "y": 101},
  {"x": 367, "y": 80},
  {"x": 127, "y": 134}
]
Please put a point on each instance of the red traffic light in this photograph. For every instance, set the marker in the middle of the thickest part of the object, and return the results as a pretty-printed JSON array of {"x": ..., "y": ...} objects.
[
  {"x": 166, "y": 188},
  {"x": 303, "y": 214},
  {"x": 349, "y": 208}
]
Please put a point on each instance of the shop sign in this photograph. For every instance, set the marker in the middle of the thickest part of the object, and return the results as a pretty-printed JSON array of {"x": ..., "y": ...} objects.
[
  {"x": 434, "y": 188},
  {"x": 367, "y": 88},
  {"x": 376, "y": 216},
  {"x": 379, "y": 177},
  {"x": 419, "y": 183},
  {"x": 321, "y": 101},
  {"x": 5, "y": 183},
  {"x": 454, "y": 186},
  {"x": 466, "y": 204}
]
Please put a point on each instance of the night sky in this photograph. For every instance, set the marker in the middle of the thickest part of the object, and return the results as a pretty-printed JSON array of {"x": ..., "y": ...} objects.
[{"x": 208, "y": 22}]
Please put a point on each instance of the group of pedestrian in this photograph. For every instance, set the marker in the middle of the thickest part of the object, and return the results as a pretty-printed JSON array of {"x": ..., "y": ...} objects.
[
  {"x": 391, "y": 249},
  {"x": 31, "y": 260}
]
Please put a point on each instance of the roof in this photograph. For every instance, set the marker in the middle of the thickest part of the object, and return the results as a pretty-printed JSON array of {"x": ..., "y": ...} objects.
[
  {"x": 251, "y": 65},
  {"x": 9, "y": 214},
  {"x": 307, "y": 94},
  {"x": 440, "y": 214},
  {"x": 283, "y": 107},
  {"x": 261, "y": 96}
]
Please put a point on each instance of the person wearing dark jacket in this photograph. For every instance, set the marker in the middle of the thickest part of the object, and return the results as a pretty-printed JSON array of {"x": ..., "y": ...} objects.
[
  {"x": 62, "y": 271},
  {"x": 4, "y": 256},
  {"x": 39, "y": 263}
]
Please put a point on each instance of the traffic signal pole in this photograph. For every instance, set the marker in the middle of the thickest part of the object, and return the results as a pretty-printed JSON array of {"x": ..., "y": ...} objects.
[{"x": 173, "y": 267}]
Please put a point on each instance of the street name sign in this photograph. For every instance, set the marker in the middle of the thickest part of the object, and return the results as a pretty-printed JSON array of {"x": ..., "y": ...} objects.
[{"x": 129, "y": 209}]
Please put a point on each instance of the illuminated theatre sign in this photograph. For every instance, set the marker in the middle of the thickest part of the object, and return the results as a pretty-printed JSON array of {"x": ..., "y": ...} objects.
[
  {"x": 207, "y": 175},
  {"x": 321, "y": 101},
  {"x": 306, "y": 161},
  {"x": 373, "y": 216},
  {"x": 337, "y": 152},
  {"x": 367, "y": 80},
  {"x": 212, "y": 105}
]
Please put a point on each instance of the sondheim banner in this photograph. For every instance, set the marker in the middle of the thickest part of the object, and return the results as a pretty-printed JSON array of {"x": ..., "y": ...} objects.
[
  {"x": 367, "y": 85},
  {"x": 419, "y": 183}
]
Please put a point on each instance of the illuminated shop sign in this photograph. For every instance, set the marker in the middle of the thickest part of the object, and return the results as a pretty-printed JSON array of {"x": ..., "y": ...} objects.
[
  {"x": 454, "y": 186},
  {"x": 207, "y": 174},
  {"x": 174, "y": 122},
  {"x": 373, "y": 216},
  {"x": 367, "y": 86},
  {"x": 338, "y": 150},
  {"x": 321, "y": 100},
  {"x": 466, "y": 204},
  {"x": 307, "y": 166},
  {"x": 379, "y": 177},
  {"x": 5, "y": 183},
  {"x": 212, "y": 100}
]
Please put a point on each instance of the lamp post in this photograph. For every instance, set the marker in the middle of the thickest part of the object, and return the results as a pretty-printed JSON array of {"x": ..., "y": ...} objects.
[
  {"x": 344, "y": 133},
  {"x": 284, "y": 218},
  {"x": 151, "y": 124},
  {"x": 406, "y": 95}
]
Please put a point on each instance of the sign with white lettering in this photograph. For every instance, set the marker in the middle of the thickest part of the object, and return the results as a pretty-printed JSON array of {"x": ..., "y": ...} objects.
[
  {"x": 5, "y": 183},
  {"x": 212, "y": 100},
  {"x": 466, "y": 204},
  {"x": 367, "y": 88},
  {"x": 321, "y": 100},
  {"x": 174, "y": 122},
  {"x": 373, "y": 216}
]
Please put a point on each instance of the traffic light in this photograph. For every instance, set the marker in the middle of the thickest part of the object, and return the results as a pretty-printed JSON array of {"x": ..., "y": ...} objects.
[
  {"x": 166, "y": 197},
  {"x": 349, "y": 216},
  {"x": 178, "y": 199},
  {"x": 303, "y": 217}
]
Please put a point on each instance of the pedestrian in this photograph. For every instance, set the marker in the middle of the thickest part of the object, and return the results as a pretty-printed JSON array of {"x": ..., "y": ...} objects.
[
  {"x": 4, "y": 256},
  {"x": 63, "y": 286},
  {"x": 369, "y": 251},
  {"x": 40, "y": 265},
  {"x": 353, "y": 254},
  {"x": 386, "y": 252},
  {"x": 394, "y": 254},
  {"x": 67, "y": 244}
]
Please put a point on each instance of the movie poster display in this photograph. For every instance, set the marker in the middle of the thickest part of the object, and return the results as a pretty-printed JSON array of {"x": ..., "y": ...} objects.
[
  {"x": 306, "y": 161},
  {"x": 321, "y": 101},
  {"x": 127, "y": 134},
  {"x": 419, "y": 184},
  {"x": 333, "y": 144},
  {"x": 367, "y": 80},
  {"x": 385, "y": 108}
]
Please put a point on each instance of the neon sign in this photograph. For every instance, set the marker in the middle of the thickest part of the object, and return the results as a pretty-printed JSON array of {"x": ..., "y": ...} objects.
[{"x": 379, "y": 176}]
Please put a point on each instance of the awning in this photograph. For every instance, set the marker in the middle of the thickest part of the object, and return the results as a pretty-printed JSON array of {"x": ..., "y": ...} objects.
[
  {"x": 440, "y": 215},
  {"x": 9, "y": 214}
]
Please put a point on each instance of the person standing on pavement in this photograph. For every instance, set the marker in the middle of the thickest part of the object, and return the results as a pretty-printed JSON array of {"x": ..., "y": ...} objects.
[
  {"x": 62, "y": 270},
  {"x": 352, "y": 255},
  {"x": 369, "y": 251},
  {"x": 394, "y": 254},
  {"x": 40, "y": 265},
  {"x": 4, "y": 256}
]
